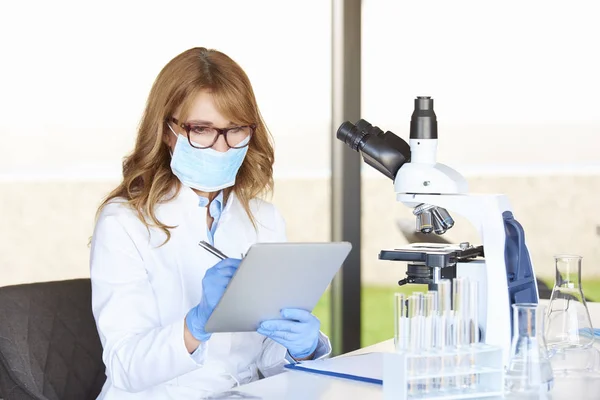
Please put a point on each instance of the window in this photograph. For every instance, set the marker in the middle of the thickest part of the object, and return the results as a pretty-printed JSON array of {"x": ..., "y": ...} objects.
[{"x": 516, "y": 97}]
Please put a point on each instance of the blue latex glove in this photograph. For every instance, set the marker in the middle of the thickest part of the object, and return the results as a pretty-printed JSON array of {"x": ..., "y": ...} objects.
[
  {"x": 298, "y": 331},
  {"x": 214, "y": 283}
]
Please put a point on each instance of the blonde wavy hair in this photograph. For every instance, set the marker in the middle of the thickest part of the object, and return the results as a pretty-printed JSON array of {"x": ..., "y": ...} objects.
[{"x": 147, "y": 176}]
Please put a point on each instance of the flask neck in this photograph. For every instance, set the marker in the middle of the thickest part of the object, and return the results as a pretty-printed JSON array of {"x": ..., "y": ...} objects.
[
  {"x": 568, "y": 271},
  {"x": 528, "y": 320}
]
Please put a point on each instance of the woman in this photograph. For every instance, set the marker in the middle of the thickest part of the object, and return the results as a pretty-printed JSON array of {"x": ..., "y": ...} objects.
[{"x": 201, "y": 160}]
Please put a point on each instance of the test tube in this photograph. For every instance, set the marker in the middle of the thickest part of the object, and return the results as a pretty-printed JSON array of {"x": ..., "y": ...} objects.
[
  {"x": 474, "y": 334},
  {"x": 412, "y": 308},
  {"x": 458, "y": 285},
  {"x": 441, "y": 329},
  {"x": 431, "y": 364},
  {"x": 415, "y": 312},
  {"x": 460, "y": 300},
  {"x": 444, "y": 295},
  {"x": 449, "y": 361},
  {"x": 416, "y": 316},
  {"x": 434, "y": 307},
  {"x": 437, "y": 338},
  {"x": 439, "y": 343},
  {"x": 435, "y": 297},
  {"x": 445, "y": 336},
  {"x": 463, "y": 309},
  {"x": 401, "y": 326},
  {"x": 428, "y": 313},
  {"x": 422, "y": 345},
  {"x": 474, "y": 317}
]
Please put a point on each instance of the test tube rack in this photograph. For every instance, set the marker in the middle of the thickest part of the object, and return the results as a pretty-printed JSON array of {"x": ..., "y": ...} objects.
[{"x": 467, "y": 372}]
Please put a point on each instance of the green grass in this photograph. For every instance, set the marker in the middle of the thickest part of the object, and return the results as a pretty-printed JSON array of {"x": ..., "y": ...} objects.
[
  {"x": 378, "y": 309},
  {"x": 591, "y": 288}
]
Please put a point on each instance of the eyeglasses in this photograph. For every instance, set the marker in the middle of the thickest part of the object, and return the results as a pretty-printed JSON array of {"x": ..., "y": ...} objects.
[{"x": 203, "y": 137}]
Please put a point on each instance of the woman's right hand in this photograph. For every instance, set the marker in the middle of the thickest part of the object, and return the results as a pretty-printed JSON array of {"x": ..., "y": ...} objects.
[{"x": 214, "y": 283}]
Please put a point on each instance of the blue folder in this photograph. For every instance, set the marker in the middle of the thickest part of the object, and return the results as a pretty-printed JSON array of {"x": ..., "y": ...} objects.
[{"x": 369, "y": 371}]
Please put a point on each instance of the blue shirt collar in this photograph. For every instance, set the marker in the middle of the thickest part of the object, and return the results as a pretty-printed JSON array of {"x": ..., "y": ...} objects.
[{"x": 216, "y": 206}]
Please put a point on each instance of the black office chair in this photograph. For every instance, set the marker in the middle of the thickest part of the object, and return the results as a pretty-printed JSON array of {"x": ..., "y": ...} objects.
[{"x": 49, "y": 345}]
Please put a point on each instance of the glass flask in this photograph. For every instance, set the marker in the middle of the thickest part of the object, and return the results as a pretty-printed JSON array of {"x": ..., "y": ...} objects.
[
  {"x": 568, "y": 323},
  {"x": 529, "y": 372}
]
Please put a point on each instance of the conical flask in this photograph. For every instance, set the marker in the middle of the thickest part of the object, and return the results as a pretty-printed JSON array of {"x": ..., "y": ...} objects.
[
  {"x": 529, "y": 372},
  {"x": 568, "y": 323}
]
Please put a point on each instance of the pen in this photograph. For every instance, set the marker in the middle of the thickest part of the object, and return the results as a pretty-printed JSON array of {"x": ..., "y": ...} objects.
[{"x": 211, "y": 249}]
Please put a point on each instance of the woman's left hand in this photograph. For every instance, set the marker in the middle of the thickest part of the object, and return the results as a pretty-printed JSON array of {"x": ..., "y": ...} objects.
[{"x": 298, "y": 332}]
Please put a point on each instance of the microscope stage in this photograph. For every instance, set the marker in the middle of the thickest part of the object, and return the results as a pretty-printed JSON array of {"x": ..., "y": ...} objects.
[{"x": 433, "y": 254}]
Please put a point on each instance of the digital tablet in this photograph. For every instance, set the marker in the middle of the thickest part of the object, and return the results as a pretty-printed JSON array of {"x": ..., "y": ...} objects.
[{"x": 274, "y": 276}]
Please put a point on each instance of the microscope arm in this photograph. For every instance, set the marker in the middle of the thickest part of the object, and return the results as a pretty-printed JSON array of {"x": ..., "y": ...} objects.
[{"x": 491, "y": 215}]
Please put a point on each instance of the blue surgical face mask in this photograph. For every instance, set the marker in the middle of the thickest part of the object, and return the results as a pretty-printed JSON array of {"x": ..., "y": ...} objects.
[{"x": 206, "y": 169}]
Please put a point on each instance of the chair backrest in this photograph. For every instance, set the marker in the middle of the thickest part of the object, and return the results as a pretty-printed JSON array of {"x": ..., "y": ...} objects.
[{"x": 49, "y": 345}]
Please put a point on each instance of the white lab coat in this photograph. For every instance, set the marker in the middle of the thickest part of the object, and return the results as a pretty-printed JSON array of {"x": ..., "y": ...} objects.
[{"x": 141, "y": 292}]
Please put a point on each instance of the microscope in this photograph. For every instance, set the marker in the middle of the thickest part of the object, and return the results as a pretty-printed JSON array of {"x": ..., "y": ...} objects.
[{"x": 501, "y": 264}]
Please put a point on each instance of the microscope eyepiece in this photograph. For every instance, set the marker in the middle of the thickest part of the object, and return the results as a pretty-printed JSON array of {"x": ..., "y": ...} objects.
[
  {"x": 351, "y": 134},
  {"x": 423, "y": 123},
  {"x": 385, "y": 152}
]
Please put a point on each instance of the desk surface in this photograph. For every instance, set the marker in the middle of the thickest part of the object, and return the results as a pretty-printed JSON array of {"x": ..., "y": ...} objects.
[
  {"x": 306, "y": 386},
  {"x": 296, "y": 385}
]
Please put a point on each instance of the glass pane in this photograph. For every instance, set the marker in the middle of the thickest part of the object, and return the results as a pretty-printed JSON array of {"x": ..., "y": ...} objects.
[
  {"x": 72, "y": 106},
  {"x": 517, "y": 114}
]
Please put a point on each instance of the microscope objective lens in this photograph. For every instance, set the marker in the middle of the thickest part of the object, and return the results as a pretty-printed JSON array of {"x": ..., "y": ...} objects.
[{"x": 425, "y": 222}]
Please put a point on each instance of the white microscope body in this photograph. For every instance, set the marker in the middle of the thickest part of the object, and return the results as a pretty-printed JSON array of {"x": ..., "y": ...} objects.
[
  {"x": 424, "y": 181},
  {"x": 502, "y": 267}
]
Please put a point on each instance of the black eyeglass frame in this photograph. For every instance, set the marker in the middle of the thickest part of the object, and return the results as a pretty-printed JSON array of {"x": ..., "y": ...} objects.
[{"x": 220, "y": 131}]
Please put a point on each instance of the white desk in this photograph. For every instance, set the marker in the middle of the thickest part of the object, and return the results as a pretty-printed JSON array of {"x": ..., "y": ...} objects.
[{"x": 296, "y": 385}]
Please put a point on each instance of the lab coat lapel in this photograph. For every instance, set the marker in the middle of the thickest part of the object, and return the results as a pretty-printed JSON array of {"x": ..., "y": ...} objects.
[
  {"x": 193, "y": 263},
  {"x": 235, "y": 233},
  {"x": 183, "y": 252}
]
